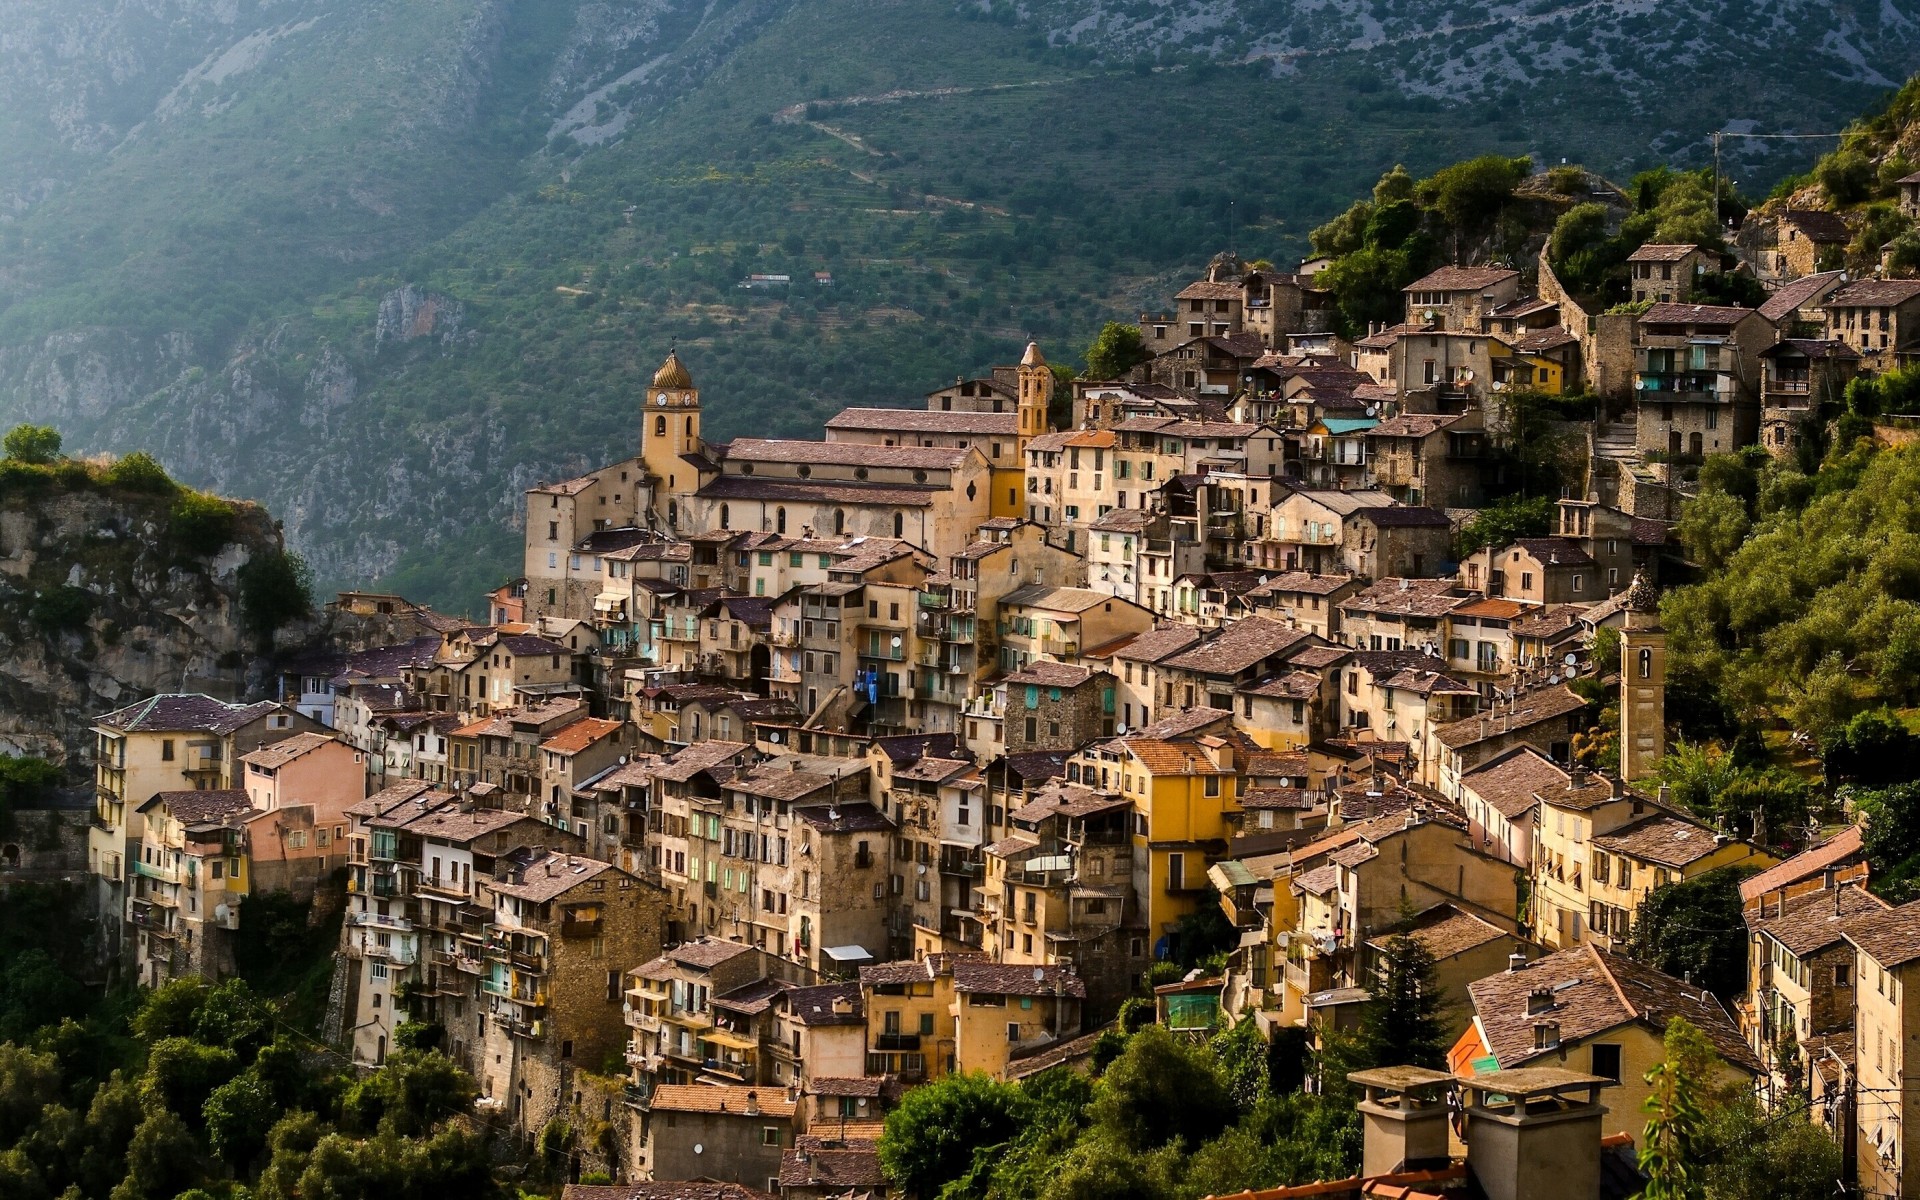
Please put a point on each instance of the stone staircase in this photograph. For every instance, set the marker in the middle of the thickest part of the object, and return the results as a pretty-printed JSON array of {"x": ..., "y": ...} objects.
[{"x": 1615, "y": 441}]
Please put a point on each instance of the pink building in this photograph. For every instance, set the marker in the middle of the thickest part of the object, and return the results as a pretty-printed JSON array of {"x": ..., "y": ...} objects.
[{"x": 300, "y": 789}]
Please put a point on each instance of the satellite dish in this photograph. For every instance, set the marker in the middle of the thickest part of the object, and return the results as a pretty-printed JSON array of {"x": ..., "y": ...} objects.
[
  {"x": 1119, "y": 729},
  {"x": 1571, "y": 659},
  {"x": 1373, "y": 410},
  {"x": 699, "y": 1149},
  {"x": 623, "y": 760},
  {"x": 1039, "y": 973},
  {"x": 1554, "y": 678},
  {"x": 774, "y": 737},
  {"x": 896, "y": 643},
  {"x": 220, "y": 912}
]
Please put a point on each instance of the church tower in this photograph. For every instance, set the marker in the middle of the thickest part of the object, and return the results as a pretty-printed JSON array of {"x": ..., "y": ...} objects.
[
  {"x": 1643, "y": 683},
  {"x": 1036, "y": 393},
  {"x": 669, "y": 430}
]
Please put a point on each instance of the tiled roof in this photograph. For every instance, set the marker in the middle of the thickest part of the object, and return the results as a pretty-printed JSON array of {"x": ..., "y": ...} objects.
[
  {"x": 1203, "y": 289},
  {"x": 1593, "y": 992},
  {"x": 1803, "y": 291},
  {"x": 701, "y": 756},
  {"x": 1891, "y": 937},
  {"x": 1842, "y": 848},
  {"x": 1874, "y": 293},
  {"x": 1012, "y": 979},
  {"x": 1511, "y": 782},
  {"x": 1444, "y": 931},
  {"x": 1819, "y": 225},
  {"x": 1526, "y": 711},
  {"x": 1662, "y": 252},
  {"x": 546, "y": 875},
  {"x": 1813, "y": 921},
  {"x": 917, "y": 420},
  {"x": 284, "y": 751},
  {"x": 1157, "y": 644},
  {"x": 859, "y": 817},
  {"x": 196, "y": 807},
  {"x": 846, "y": 454},
  {"x": 1492, "y": 608},
  {"x": 813, "y": 1006},
  {"x": 1407, "y": 597},
  {"x": 836, "y": 1168},
  {"x": 1187, "y": 722},
  {"x": 898, "y": 495},
  {"x": 1716, "y": 316},
  {"x": 579, "y": 735},
  {"x": 1284, "y": 799},
  {"x": 1415, "y": 425},
  {"x": 734, "y": 1100},
  {"x": 1170, "y": 758},
  {"x": 1047, "y": 673},
  {"x": 1662, "y": 838},
  {"x": 1547, "y": 622},
  {"x": 1461, "y": 279},
  {"x": 1405, "y": 516},
  {"x": 1237, "y": 647},
  {"x": 1061, "y": 599},
  {"x": 1304, "y": 583},
  {"x": 1555, "y": 551},
  {"x": 676, "y": 1189},
  {"x": 707, "y": 953},
  {"x": 1294, "y": 685},
  {"x": 184, "y": 713}
]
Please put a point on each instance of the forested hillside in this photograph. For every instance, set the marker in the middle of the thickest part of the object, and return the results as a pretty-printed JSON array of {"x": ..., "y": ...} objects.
[{"x": 382, "y": 266}]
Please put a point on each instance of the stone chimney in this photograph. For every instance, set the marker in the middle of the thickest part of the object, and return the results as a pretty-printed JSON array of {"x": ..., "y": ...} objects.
[
  {"x": 1404, "y": 1117},
  {"x": 1539, "y": 1000},
  {"x": 1516, "y": 962},
  {"x": 1546, "y": 1034},
  {"x": 753, "y": 1104},
  {"x": 1533, "y": 1134}
]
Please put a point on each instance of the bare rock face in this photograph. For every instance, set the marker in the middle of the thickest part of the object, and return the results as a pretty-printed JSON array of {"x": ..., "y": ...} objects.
[
  {"x": 97, "y": 610},
  {"x": 409, "y": 313}
]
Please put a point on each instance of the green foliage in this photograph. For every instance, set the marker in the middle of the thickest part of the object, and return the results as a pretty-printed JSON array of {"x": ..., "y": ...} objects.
[
  {"x": 1468, "y": 195},
  {"x": 61, "y": 609},
  {"x": 1890, "y": 836},
  {"x": 36, "y": 445},
  {"x": 1501, "y": 522},
  {"x": 182, "y": 1072},
  {"x": 411, "y": 1094},
  {"x": 139, "y": 472},
  {"x": 1816, "y": 614},
  {"x": 1751, "y": 1154},
  {"x": 1676, "y": 1130},
  {"x": 1406, "y": 1024},
  {"x": 1366, "y": 285},
  {"x": 1162, "y": 1090},
  {"x": 1693, "y": 929},
  {"x": 1567, "y": 180},
  {"x": 1116, "y": 351},
  {"x": 1846, "y": 176},
  {"x": 238, "y": 1115},
  {"x": 931, "y": 1136},
  {"x": 1203, "y": 934},
  {"x": 1712, "y": 527},
  {"x": 201, "y": 525},
  {"x": 163, "y": 1159},
  {"x": 276, "y": 589},
  {"x": 1872, "y": 750},
  {"x": 24, "y": 782}
]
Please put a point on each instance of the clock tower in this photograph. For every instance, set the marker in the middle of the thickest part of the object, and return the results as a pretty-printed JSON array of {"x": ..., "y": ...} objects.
[{"x": 669, "y": 431}]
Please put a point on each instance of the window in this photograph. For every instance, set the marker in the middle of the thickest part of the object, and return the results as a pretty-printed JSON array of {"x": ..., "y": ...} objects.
[
  {"x": 1176, "y": 872},
  {"x": 166, "y": 750},
  {"x": 769, "y": 1135},
  {"x": 1606, "y": 1060}
]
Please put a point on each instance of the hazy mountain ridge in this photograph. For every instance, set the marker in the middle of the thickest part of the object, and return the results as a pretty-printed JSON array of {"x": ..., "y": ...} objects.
[{"x": 381, "y": 266}]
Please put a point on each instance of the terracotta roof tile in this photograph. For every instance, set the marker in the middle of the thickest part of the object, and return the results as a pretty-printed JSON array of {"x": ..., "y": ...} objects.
[{"x": 731, "y": 1099}]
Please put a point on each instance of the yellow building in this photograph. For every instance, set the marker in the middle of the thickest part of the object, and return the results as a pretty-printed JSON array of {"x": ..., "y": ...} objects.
[
  {"x": 1587, "y": 1010},
  {"x": 189, "y": 874},
  {"x": 1599, "y": 850},
  {"x": 947, "y": 1014},
  {"x": 1886, "y": 1021}
]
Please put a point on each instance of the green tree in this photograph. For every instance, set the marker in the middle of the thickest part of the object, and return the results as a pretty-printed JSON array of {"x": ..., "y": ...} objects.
[
  {"x": 1676, "y": 1128},
  {"x": 276, "y": 589},
  {"x": 290, "y": 1145},
  {"x": 1115, "y": 351},
  {"x": 181, "y": 1072},
  {"x": 1468, "y": 195},
  {"x": 413, "y": 1092},
  {"x": 1873, "y": 749},
  {"x": 1366, "y": 285},
  {"x": 36, "y": 444},
  {"x": 1751, "y": 1154},
  {"x": 1505, "y": 521},
  {"x": 1405, "y": 1022},
  {"x": 931, "y": 1136},
  {"x": 1890, "y": 837},
  {"x": 139, "y": 472},
  {"x": 163, "y": 1159},
  {"x": 231, "y": 1015},
  {"x": 170, "y": 1010},
  {"x": 1694, "y": 929},
  {"x": 1712, "y": 527},
  {"x": 201, "y": 525},
  {"x": 1162, "y": 1090},
  {"x": 28, "y": 1083}
]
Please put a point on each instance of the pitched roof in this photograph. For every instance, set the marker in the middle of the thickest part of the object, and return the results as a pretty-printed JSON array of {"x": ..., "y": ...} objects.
[
  {"x": 1874, "y": 293},
  {"x": 284, "y": 751},
  {"x": 196, "y": 807},
  {"x": 1554, "y": 551},
  {"x": 1012, "y": 979},
  {"x": 1305, "y": 583},
  {"x": 1592, "y": 992},
  {"x": 845, "y": 453},
  {"x": 1156, "y": 644},
  {"x": 1663, "y": 838},
  {"x": 1237, "y": 647},
  {"x": 190, "y": 712},
  {"x": 1510, "y": 782},
  {"x": 1715, "y": 316},
  {"x": 545, "y": 875},
  {"x": 1461, "y": 279},
  {"x": 1891, "y": 938},
  {"x": 1526, "y": 711},
  {"x": 1791, "y": 297},
  {"x": 1415, "y": 425},
  {"x": 732, "y": 1099},
  {"x": 1061, "y": 599},
  {"x": 1407, "y": 597},
  {"x": 1405, "y": 516},
  {"x": 1819, "y": 225},
  {"x": 1662, "y": 252},
  {"x": 832, "y": 1165},
  {"x": 1444, "y": 931},
  {"x": 1836, "y": 850},
  {"x": 1044, "y": 672},
  {"x": 581, "y": 734},
  {"x": 671, "y": 1189},
  {"x": 919, "y": 420},
  {"x": 814, "y": 1006},
  {"x": 1813, "y": 921},
  {"x": 1204, "y": 289}
]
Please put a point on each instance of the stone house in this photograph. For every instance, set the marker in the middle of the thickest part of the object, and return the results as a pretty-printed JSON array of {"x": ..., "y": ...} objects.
[
  {"x": 1805, "y": 241},
  {"x": 1549, "y": 570},
  {"x": 1396, "y": 540},
  {"x": 1800, "y": 975},
  {"x": 995, "y": 432},
  {"x": 1309, "y": 530},
  {"x": 1666, "y": 274},
  {"x": 1545, "y": 718},
  {"x": 1304, "y": 600},
  {"x": 1421, "y": 458},
  {"x": 820, "y": 1033},
  {"x": 1878, "y": 318},
  {"x": 1399, "y": 613},
  {"x": 1460, "y": 297},
  {"x": 1501, "y": 796},
  {"x": 1802, "y": 379},
  {"x": 716, "y": 1133},
  {"x": 1697, "y": 378},
  {"x": 1057, "y": 706},
  {"x": 188, "y": 874}
]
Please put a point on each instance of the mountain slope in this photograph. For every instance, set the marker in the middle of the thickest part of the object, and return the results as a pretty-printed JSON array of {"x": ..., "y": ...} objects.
[{"x": 382, "y": 266}]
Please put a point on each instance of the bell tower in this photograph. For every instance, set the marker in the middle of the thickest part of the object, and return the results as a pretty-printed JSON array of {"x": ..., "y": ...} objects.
[
  {"x": 1036, "y": 393},
  {"x": 1643, "y": 682},
  {"x": 670, "y": 429}
]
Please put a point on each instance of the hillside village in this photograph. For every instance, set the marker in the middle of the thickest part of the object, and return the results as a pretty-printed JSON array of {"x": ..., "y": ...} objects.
[{"x": 791, "y": 775}]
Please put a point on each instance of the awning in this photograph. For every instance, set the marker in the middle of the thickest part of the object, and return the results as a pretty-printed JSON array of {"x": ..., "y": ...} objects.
[
  {"x": 731, "y": 1041},
  {"x": 847, "y": 954},
  {"x": 1252, "y": 937}
]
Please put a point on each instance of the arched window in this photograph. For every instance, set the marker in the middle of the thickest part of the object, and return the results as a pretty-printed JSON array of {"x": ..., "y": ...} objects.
[
  {"x": 839, "y": 520},
  {"x": 1646, "y": 664},
  {"x": 724, "y": 517},
  {"x": 779, "y": 520},
  {"x": 660, "y": 426},
  {"x": 899, "y": 524},
  {"x": 689, "y": 428}
]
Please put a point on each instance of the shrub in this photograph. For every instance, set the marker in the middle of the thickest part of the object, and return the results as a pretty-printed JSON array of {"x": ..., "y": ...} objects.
[
  {"x": 58, "y": 610},
  {"x": 37, "y": 444},
  {"x": 139, "y": 472},
  {"x": 276, "y": 589},
  {"x": 201, "y": 524}
]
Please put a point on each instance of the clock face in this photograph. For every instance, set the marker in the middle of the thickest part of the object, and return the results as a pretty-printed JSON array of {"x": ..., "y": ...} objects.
[{"x": 660, "y": 399}]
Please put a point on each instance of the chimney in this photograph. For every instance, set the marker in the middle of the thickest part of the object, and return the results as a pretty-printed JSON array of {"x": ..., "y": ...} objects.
[
  {"x": 753, "y": 1104},
  {"x": 1539, "y": 1000},
  {"x": 1546, "y": 1034},
  {"x": 1541, "y": 1139},
  {"x": 1516, "y": 962},
  {"x": 1828, "y": 876},
  {"x": 1666, "y": 795},
  {"x": 1836, "y": 899},
  {"x": 1404, "y": 1119}
]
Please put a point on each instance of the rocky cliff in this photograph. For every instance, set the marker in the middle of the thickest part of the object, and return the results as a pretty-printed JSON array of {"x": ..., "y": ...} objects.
[{"x": 100, "y": 606}]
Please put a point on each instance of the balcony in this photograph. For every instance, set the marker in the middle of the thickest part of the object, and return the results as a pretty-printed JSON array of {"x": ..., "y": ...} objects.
[
  {"x": 581, "y": 929},
  {"x": 897, "y": 1041},
  {"x": 448, "y": 889},
  {"x": 380, "y": 921},
  {"x": 1696, "y": 387},
  {"x": 399, "y": 953},
  {"x": 163, "y": 874}
]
